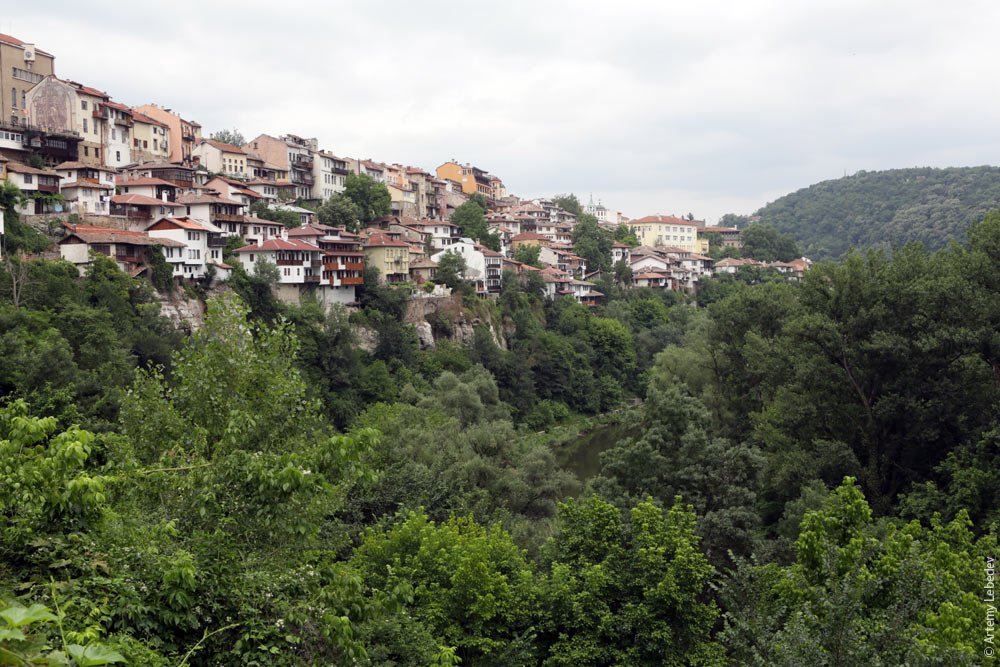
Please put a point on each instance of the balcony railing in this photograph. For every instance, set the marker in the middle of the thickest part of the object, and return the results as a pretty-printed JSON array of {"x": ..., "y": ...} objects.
[
  {"x": 351, "y": 281},
  {"x": 311, "y": 279},
  {"x": 289, "y": 262},
  {"x": 216, "y": 241}
]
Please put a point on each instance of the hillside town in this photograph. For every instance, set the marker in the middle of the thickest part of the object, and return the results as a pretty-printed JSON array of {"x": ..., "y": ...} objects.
[{"x": 129, "y": 182}]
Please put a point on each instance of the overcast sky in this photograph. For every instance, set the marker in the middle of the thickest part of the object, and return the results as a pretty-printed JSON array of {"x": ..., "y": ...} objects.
[{"x": 654, "y": 107}]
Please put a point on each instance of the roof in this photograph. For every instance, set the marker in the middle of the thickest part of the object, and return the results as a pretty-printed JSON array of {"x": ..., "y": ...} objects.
[
  {"x": 14, "y": 41},
  {"x": 21, "y": 168},
  {"x": 140, "y": 117},
  {"x": 207, "y": 199},
  {"x": 140, "y": 200},
  {"x": 90, "y": 234},
  {"x": 225, "y": 148},
  {"x": 80, "y": 165},
  {"x": 272, "y": 245},
  {"x": 380, "y": 239},
  {"x": 530, "y": 236},
  {"x": 719, "y": 229},
  {"x": 142, "y": 180},
  {"x": 183, "y": 223},
  {"x": 120, "y": 107},
  {"x": 306, "y": 230},
  {"x": 730, "y": 261},
  {"x": 85, "y": 184},
  {"x": 662, "y": 219},
  {"x": 423, "y": 264}
]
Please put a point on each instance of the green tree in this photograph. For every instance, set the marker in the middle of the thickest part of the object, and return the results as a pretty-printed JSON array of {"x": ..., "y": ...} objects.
[
  {"x": 372, "y": 199},
  {"x": 289, "y": 219},
  {"x": 617, "y": 593},
  {"x": 471, "y": 220},
  {"x": 592, "y": 243},
  {"x": 233, "y": 136},
  {"x": 339, "y": 211},
  {"x": 862, "y": 592},
  {"x": 763, "y": 243},
  {"x": 472, "y": 588},
  {"x": 569, "y": 203},
  {"x": 451, "y": 268},
  {"x": 528, "y": 254}
]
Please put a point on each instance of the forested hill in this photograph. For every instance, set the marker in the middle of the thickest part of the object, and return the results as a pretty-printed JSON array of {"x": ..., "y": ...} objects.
[{"x": 885, "y": 208}]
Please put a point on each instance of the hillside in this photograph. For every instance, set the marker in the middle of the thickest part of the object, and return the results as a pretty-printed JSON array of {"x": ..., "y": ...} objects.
[{"x": 885, "y": 208}]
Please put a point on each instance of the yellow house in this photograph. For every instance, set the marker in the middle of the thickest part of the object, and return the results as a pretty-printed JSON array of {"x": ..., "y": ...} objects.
[
  {"x": 529, "y": 239},
  {"x": 150, "y": 139},
  {"x": 666, "y": 230},
  {"x": 472, "y": 179},
  {"x": 389, "y": 256}
]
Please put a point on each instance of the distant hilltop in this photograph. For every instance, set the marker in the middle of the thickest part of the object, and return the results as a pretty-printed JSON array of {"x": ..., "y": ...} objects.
[{"x": 885, "y": 209}]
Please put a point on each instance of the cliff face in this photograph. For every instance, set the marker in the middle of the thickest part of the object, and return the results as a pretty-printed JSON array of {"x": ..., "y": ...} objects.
[
  {"x": 187, "y": 314},
  {"x": 446, "y": 318}
]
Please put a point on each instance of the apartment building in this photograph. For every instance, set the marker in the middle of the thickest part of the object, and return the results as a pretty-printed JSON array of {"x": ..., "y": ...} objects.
[
  {"x": 22, "y": 65},
  {"x": 185, "y": 133}
]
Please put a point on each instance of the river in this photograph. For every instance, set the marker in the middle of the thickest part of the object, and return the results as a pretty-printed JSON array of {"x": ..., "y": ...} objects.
[{"x": 582, "y": 456}]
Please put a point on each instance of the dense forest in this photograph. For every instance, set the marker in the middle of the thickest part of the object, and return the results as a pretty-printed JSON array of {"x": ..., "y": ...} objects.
[
  {"x": 812, "y": 477},
  {"x": 885, "y": 209}
]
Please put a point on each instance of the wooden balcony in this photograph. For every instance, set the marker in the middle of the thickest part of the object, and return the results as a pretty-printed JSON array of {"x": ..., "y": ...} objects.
[
  {"x": 311, "y": 280},
  {"x": 289, "y": 262},
  {"x": 226, "y": 217},
  {"x": 352, "y": 281},
  {"x": 216, "y": 241}
]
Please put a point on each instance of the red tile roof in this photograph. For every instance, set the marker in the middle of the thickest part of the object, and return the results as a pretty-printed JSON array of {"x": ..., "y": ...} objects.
[
  {"x": 183, "y": 223},
  {"x": 85, "y": 184},
  {"x": 225, "y": 148},
  {"x": 140, "y": 200},
  {"x": 90, "y": 235},
  {"x": 379, "y": 239},
  {"x": 142, "y": 180},
  {"x": 207, "y": 199},
  {"x": 530, "y": 236},
  {"x": 280, "y": 244},
  {"x": 20, "y": 168},
  {"x": 14, "y": 41},
  {"x": 80, "y": 165},
  {"x": 140, "y": 117}
]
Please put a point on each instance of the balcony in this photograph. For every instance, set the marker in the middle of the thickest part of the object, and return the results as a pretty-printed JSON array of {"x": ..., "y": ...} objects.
[
  {"x": 226, "y": 217},
  {"x": 340, "y": 170},
  {"x": 311, "y": 279},
  {"x": 48, "y": 188},
  {"x": 128, "y": 259},
  {"x": 124, "y": 121},
  {"x": 289, "y": 262},
  {"x": 352, "y": 281},
  {"x": 316, "y": 263},
  {"x": 216, "y": 241},
  {"x": 354, "y": 266}
]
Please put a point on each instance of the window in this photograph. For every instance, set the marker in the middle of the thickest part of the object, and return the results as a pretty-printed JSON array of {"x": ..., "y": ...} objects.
[
  {"x": 23, "y": 105},
  {"x": 13, "y": 97},
  {"x": 113, "y": 135},
  {"x": 27, "y": 178},
  {"x": 86, "y": 151},
  {"x": 84, "y": 125},
  {"x": 145, "y": 144},
  {"x": 83, "y": 104},
  {"x": 118, "y": 156}
]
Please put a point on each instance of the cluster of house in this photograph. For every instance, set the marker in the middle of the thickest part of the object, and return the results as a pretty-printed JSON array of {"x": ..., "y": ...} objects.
[{"x": 141, "y": 178}]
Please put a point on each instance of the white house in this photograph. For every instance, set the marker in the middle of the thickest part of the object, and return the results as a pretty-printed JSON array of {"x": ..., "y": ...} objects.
[
  {"x": 475, "y": 260},
  {"x": 201, "y": 247},
  {"x": 300, "y": 264},
  {"x": 86, "y": 189}
]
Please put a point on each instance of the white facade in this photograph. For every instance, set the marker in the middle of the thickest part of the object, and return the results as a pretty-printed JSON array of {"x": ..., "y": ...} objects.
[
  {"x": 475, "y": 261},
  {"x": 189, "y": 261}
]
